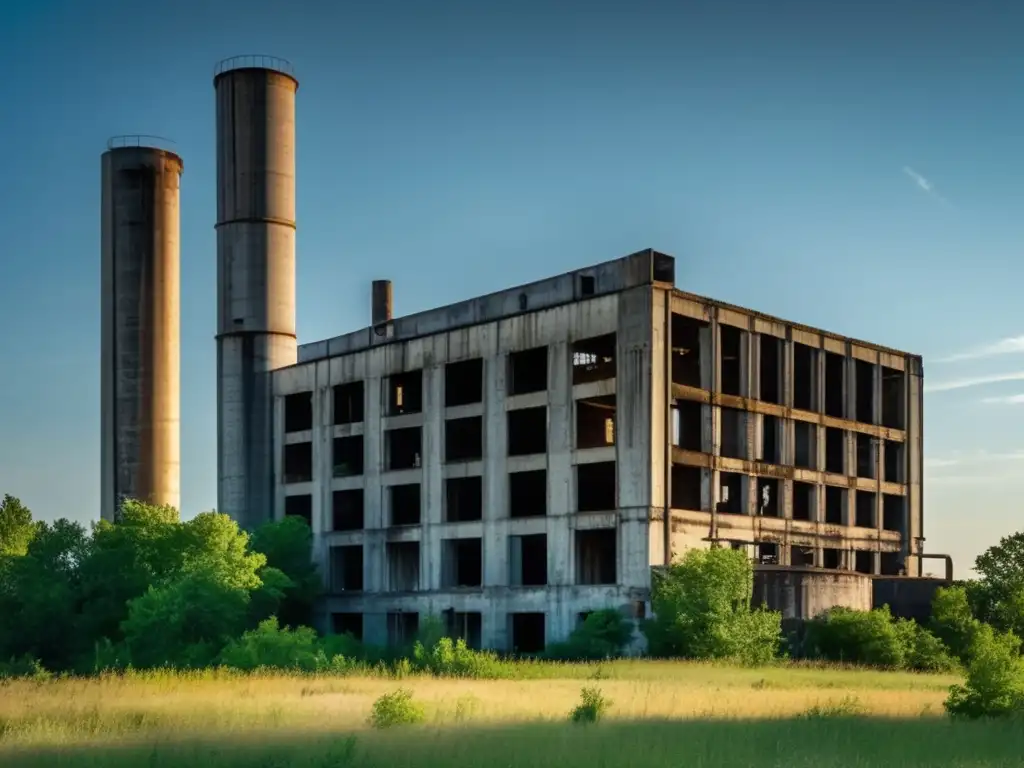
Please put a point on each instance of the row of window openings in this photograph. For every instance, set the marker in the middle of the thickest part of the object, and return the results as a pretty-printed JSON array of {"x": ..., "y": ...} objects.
[
  {"x": 689, "y": 433},
  {"x": 592, "y": 360},
  {"x": 861, "y": 561},
  {"x": 464, "y": 498},
  {"x": 463, "y": 440},
  {"x": 462, "y": 562},
  {"x": 691, "y": 366}
]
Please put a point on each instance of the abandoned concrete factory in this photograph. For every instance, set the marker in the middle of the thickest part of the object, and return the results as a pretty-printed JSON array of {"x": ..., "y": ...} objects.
[{"x": 512, "y": 461}]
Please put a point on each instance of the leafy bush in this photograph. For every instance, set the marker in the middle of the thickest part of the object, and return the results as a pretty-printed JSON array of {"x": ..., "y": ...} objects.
[
  {"x": 275, "y": 647},
  {"x": 995, "y": 678},
  {"x": 456, "y": 659},
  {"x": 396, "y": 708},
  {"x": 953, "y": 621},
  {"x": 857, "y": 637},
  {"x": 848, "y": 706},
  {"x": 603, "y": 634},
  {"x": 591, "y": 708},
  {"x": 24, "y": 667},
  {"x": 926, "y": 653}
]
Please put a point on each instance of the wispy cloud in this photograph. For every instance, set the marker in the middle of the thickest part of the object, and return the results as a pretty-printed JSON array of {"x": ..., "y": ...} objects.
[
  {"x": 1005, "y": 400},
  {"x": 976, "y": 381},
  {"x": 961, "y": 458},
  {"x": 925, "y": 185},
  {"x": 1008, "y": 346}
]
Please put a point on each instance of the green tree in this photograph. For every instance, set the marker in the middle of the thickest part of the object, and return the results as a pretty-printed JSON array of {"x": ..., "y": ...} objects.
[
  {"x": 17, "y": 528},
  {"x": 998, "y": 596},
  {"x": 953, "y": 621},
  {"x": 995, "y": 678},
  {"x": 288, "y": 545}
]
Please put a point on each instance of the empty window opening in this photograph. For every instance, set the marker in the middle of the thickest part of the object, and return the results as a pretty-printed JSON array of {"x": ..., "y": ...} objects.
[
  {"x": 464, "y": 499},
  {"x": 595, "y": 422},
  {"x": 348, "y": 403},
  {"x": 298, "y": 463},
  {"x": 893, "y": 461},
  {"x": 864, "y": 562},
  {"x": 801, "y": 556},
  {"x": 403, "y": 566},
  {"x": 298, "y": 412},
  {"x": 404, "y": 504},
  {"x": 866, "y": 509},
  {"x": 767, "y": 552},
  {"x": 804, "y": 500},
  {"x": 299, "y": 506},
  {"x": 405, "y": 393},
  {"x": 805, "y": 377},
  {"x": 688, "y": 425},
  {"x": 347, "y": 568},
  {"x": 686, "y": 350},
  {"x": 734, "y": 433},
  {"x": 464, "y": 439},
  {"x": 768, "y": 497},
  {"x": 528, "y": 564},
  {"x": 595, "y": 487},
  {"x": 892, "y": 398},
  {"x": 892, "y": 564},
  {"x": 831, "y": 558},
  {"x": 527, "y": 431},
  {"x": 865, "y": 384},
  {"x": 732, "y": 364},
  {"x": 835, "y": 504},
  {"x": 348, "y": 456},
  {"x": 686, "y": 487},
  {"x": 403, "y": 628},
  {"x": 464, "y": 382},
  {"x": 347, "y": 624},
  {"x": 527, "y": 632},
  {"x": 835, "y": 450},
  {"x": 865, "y": 456},
  {"x": 466, "y": 626},
  {"x": 771, "y": 369},
  {"x": 596, "y": 556},
  {"x": 528, "y": 493},
  {"x": 528, "y": 371},
  {"x": 347, "y": 510},
  {"x": 805, "y": 448},
  {"x": 593, "y": 359},
  {"x": 835, "y": 385},
  {"x": 731, "y": 496},
  {"x": 402, "y": 448},
  {"x": 586, "y": 285},
  {"x": 892, "y": 513},
  {"x": 771, "y": 439},
  {"x": 462, "y": 563}
]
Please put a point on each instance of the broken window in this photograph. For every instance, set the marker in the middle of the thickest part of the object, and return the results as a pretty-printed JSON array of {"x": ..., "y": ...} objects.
[
  {"x": 528, "y": 371},
  {"x": 298, "y": 463},
  {"x": 805, "y": 377},
  {"x": 348, "y": 456},
  {"x": 734, "y": 433},
  {"x": 466, "y": 626},
  {"x": 347, "y": 624},
  {"x": 831, "y": 558},
  {"x": 593, "y": 359},
  {"x": 464, "y": 499},
  {"x": 464, "y": 382},
  {"x": 595, "y": 422},
  {"x": 687, "y": 425},
  {"x": 527, "y": 431},
  {"x": 804, "y": 501},
  {"x": 768, "y": 502},
  {"x": 865, "y": 501},
  {"x": 835, "y": 385},
  {"x": 835, "y": 450},
  {"x": 529, "y": 560},
  {"x": 767, "y": 552},
  {"x": 686, "y": 350},
  {"x": 347, "y": 510},
  {"x": 892, "y": 398},
  {"x": 730, "y": 493},
  {"x": 464, "y": 439},
  {"x": 595, "y": 487},
  {"x": 892, "y": 564},
  {"x": 805, "y": 453},
  {"x": 348, "y": 403},
  {"x": 403, "y": 558},
  {"x": 801, "y": 556},
  {"x": 527, "y": 632},
  {"x": 864, "y": 562},
  {"x": 865, "y": 383},
  {"x": 403, "y": 628},
  {"x": 732, "y": 365},
  {"x": 771, "y": 368},
  {"x": 893, "y": 461},
  {"x": 402, "y": 448},
  {"x": 528, "y": 493},
  {"x": 298, "y": 412},
  {"x": 347, "y": 568},
  {"x": 835, "y": 504},
  {"x": 462, "y": 563},
  {"x": 596, "y": 556},
  {"x": 686, "y": 485},
  {"x": 771, "y": 439},
  {"x": 299, "y": 506},
  {"x": 405, "y": 393},
  {"x": 892, "y": 513},
  {"x": 865, "y": 456},
  {"x": 404, "y": 503}
]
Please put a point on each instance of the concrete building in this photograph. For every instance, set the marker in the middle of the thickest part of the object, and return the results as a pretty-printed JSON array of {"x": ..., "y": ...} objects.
[
  {"x": 507, "y": 462},
  {"x": 140, "y": 351}
]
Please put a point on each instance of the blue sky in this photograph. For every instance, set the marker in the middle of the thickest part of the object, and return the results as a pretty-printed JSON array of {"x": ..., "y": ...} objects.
[{"x": 853, "y": 166}]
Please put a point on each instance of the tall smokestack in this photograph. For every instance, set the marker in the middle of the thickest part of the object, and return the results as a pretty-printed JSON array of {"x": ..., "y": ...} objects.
[
  {"x": 380, "y": 303},
  {"x": 140, "y": 347},
  {"x": 255, "y": 273}
]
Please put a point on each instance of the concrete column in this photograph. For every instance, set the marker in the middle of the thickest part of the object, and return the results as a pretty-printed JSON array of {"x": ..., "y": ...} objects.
[
  {"x": 753, "y": 363},
  {"x": 375, "y": 502},
  {"x": 914, "y": 472},
  {"x": 495, "y": 469},
  {"x": 787, "y": 369},
  {"x": 850, "y": 382},
  {"x": 432, "y": 501},
  {"x": 745, "y": 364},
  {"x": 819, "y": 380},
  {"x": 561, "y": 472}
]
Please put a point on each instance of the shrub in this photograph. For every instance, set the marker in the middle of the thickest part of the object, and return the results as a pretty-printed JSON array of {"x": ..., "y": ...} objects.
[
  {"x": 857, "y": 637},
  {"x": 396, "y": 708},
  {"x": 591, "y": 708},
  {"x": 456, "y": 659},
  {"x": 995, "y": 678},
  {"x": 274, "y": 647},
  {"x": 848, "y": 706},
  {"x": 603, "y": 634},
  {"x": 927, "y": 653},
  {"x": 953, "y": 621},
  {"x": 24, "y": 667}
]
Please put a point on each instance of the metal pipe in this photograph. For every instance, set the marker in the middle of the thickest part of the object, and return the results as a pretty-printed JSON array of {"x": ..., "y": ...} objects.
[{"x": 947, "y": 558}]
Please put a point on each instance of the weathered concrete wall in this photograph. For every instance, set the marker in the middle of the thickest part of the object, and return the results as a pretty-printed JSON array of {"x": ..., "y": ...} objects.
[
  {"x": 907, "y": 597},
  {"x": 804, "y": 593}
]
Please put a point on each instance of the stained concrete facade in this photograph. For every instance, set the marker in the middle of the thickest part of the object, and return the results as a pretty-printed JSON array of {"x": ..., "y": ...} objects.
[{"x": 505, "y": 462}]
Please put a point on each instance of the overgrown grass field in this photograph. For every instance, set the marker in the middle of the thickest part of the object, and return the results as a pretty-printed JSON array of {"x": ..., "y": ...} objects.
[{"x": 661, "y": 714}]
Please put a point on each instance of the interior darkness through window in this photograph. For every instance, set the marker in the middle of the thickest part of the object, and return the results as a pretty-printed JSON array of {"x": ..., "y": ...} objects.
[
  {"x": 299, "y": 506},
  {"x": 528, "y": 371},
  {"x": 347, "y": 510},
  {"x": 463, "y": 499},
  {"x": 405, "y": 504},
  {"x": 464, "y": 382},
  {"x": 527, "y": 431},
  {"x": 528, "y": 493},
  {"x": 595, "y": 487},
  {"x": 348, "y": 456},
  {"x": 464, "y": 439},
  {"x": 732, "y": 368},
  {"x": 403, "y": 447},
  {"x": 298, "y": 463},
  {"x": 687, "y": 422},
  {"x": 835, "y": 370},
  {"x": 865, "y": 392},
  {"x": 686, "y": 350},
  {"x": 804, "y": 376},
  {"x": 771, "y": 369},
  {"x": 348, "y": 403},
  {"x": 686, "y": 484},
  {"x": 298, "y": 412},
  {"x": 593, "y": 359}
]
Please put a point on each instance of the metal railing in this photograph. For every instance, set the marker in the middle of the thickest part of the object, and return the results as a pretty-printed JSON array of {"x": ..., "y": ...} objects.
[
  {"x": 254, "y": 61},
  {"x": 142, "y": 140}
]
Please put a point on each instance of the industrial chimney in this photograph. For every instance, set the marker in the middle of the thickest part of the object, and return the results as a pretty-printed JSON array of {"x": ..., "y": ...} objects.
[
  {"x": 380, "y": 303},
  {"x": 255, "y": 273},
  {"x": 140, "y": 347}
]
